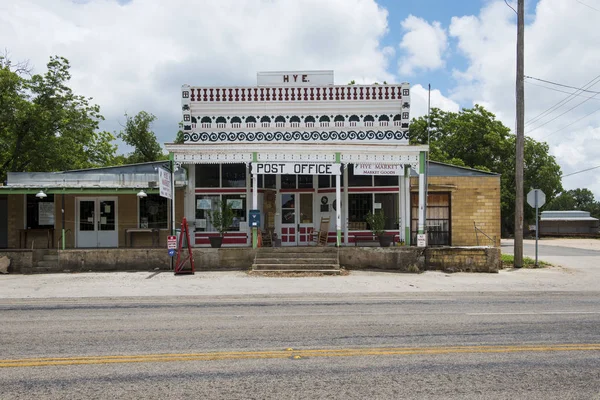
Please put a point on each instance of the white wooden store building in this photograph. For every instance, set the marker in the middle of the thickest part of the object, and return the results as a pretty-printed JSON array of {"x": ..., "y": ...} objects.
[{"x": 300, "y": 149}]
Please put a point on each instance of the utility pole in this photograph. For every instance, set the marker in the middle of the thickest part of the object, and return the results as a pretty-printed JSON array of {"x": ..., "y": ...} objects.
[{"x": 518, "y": 250}]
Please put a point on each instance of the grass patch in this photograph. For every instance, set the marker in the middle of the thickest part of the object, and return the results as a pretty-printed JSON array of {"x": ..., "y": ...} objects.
[{"x": 508, "y": 261}]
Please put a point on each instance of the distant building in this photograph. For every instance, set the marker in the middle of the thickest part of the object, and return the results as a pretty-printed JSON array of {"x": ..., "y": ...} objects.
[{"x": 568, "y": 223}]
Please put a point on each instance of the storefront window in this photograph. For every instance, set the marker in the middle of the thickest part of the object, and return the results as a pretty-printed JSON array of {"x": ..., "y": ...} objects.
[
  {"x": 288, "y": 181},
  {"x": 207, "y": 175},
  {"x": 358, "y": 180},
  {"x": 154, "y": 212},
  {"x": 40, "y": 212},
  {"x": 233, "y": 175},
  {"x": 324, "y": 181},
  {"x": 305, "y": 181},
  {"x": 204, "y": 204},
  {"x": 238, "y": 204},
  {"x": 389, "y": 180},
  {"x": 388, "y": 204},
  {"x": 359, "y": 206},
  {"x": 270, "y": 181}
]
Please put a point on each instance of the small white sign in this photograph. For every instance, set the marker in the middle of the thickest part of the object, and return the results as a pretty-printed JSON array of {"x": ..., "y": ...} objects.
[
  {"x": 46, "y": 213},
  {"x": 164, "y": 183},
  {"x": 376, "y": 205},
  {"x": 204, "y": 204},
  {"x": 201, "y": 223},
  {"x": 294, "y": 78},
  {"x": 422, "y": 240},
  {"x": 171, "y": 242},
  {"x": 235, "y": 204},
  {"x": 378, "y": 169},
  {"x": 282, "y": 168}
]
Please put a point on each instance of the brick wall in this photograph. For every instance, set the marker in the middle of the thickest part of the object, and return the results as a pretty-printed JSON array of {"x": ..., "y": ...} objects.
[{"x": 473, "y": 200}]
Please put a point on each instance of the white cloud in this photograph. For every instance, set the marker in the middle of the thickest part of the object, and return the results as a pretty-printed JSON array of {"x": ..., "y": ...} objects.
[
  {"x": 419, "y": 99},
  {"x": 423, "y": 44},
  {"x": 561, "y": 46},
  {"x": 135, "y": 56}
]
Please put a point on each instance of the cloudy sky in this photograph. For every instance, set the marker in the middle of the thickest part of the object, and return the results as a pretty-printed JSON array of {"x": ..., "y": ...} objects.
[{"x": 132, "y": 55}]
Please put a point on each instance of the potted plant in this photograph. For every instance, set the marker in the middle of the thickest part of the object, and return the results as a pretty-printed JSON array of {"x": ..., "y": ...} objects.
[
  {"x": 377, "y": 223},
  {"x": 221, "y": 218}
]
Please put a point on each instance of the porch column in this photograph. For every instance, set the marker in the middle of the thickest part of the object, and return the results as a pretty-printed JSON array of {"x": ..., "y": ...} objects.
[
  {"x": 338, "y": 199},
  {"x": 346, "y": 204},
  {"x": 401, "y": 200},
  {"x": 422, "y": 200},
  {"x": 406, "y": 209},
  {"x": 255, "y": 203}
]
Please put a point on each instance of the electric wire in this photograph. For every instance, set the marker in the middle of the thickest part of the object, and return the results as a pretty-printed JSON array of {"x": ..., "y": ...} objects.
[
  {"x": 562, "y": 91},
  {"x": 580, "y": 2},
  {"x": 562, "y": 102},
  {"x": 560, "y": 115},
  {"x": 579, "y": 172},
  {"x": 560, "y": 84},
  {"x": 512, "y": 7},
  {"x": 577, "y": 120}
]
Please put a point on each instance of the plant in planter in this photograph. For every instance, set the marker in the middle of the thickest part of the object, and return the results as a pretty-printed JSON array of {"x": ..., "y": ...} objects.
[
  {"x": 221, "y": 218},
  {"x": 377, "y": 223}
]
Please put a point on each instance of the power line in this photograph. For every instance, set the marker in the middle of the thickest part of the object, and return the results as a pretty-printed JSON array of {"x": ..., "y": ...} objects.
[
  {"x": 560, "y": 115},
  {"x": 585, "y": 116},
  {"x": 560, "y": 84},
  {"x": 561, "y": 102},
  {"x": 562, "y": 91},
  {"x": 512, "y": 7},
  {"x": 578, "y": 172},
  {"x": 580, "y": 2}
]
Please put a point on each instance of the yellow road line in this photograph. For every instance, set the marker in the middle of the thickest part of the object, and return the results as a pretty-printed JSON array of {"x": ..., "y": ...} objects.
[{"x": 236, "y": 355}]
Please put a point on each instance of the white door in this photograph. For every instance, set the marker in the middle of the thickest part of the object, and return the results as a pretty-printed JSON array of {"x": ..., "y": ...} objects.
[
  {"x": 289, "y": 222},
  {"x": 305, "y": 222},
  {"x": 97, "y": 222}
]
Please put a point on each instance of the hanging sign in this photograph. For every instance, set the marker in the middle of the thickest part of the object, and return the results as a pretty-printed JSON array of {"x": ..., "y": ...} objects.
[
  {"x": 280, "y": 168},
  {"x": 164, "y": 182},
  {"x": 378, "y": 169}
]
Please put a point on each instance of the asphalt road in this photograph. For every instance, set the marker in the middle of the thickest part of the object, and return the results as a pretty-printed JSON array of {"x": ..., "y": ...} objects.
[{"x": 411, "y": 345}]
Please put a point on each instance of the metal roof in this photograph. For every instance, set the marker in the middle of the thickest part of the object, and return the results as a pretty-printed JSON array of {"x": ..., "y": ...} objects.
[{"x": 574, "y": 215}]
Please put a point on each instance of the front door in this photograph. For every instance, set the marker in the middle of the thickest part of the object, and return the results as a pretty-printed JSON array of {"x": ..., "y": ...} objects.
[
  {"x": 296, "y": 219},
  {"x": 97, "y": 222},
  {"x": 289, "y": 222},
  {"x": 305, "y": 223}
]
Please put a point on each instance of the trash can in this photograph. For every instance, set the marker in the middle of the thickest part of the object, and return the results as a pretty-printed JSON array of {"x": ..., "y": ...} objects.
[{"x": 184, "y": 244}]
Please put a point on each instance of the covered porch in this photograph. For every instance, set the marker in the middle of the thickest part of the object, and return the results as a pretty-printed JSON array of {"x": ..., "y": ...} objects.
[{"x": 295, "y": 187}]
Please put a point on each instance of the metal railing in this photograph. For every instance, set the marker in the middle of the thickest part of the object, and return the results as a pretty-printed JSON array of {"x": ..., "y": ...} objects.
[{"x": 477, "y": 230}]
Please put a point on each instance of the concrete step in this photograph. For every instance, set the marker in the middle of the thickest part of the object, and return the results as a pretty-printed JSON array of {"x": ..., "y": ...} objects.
[
  {"x": 47, "y": 264},
  {"x": 295, "y": 256},
  {"x": 300, "y": 267},
  {"x": 50, "y": 257},
  {"x": 43, "y": 269},
  {"x": 312, "y": 249},
  {"x": 287, "y": 271},
  {"x": 309, "y": 261}
]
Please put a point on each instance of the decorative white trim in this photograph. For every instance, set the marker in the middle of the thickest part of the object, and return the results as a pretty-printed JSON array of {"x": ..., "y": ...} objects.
[
  {"x": 210, "y": 157},
  {"x": 309, "y": 157},
  {"x": 388, "y": 158}
]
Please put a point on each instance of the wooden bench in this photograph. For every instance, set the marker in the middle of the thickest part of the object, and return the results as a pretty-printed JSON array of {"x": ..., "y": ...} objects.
[{"x": 155, "y": 234}]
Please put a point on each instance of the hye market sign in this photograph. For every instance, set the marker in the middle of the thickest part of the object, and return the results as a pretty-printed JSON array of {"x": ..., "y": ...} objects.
[
  {"x": 279, "y": 168},
  {"x": 378, "y": 169}
]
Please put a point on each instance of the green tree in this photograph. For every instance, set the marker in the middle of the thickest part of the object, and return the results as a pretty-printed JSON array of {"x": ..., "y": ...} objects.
[
  {"x": 474, "y": 138},
  {"x": 138, "y": 134},
  {"x": 44, "y": 126},
  {"x": 575, "y": 199}
]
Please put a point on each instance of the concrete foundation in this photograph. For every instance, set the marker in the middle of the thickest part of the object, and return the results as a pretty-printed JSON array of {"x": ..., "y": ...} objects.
[{"x": 401, "y": 259}]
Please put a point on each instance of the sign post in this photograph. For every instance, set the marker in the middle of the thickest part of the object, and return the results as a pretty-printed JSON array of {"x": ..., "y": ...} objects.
[{"x": 536, "y": 198}]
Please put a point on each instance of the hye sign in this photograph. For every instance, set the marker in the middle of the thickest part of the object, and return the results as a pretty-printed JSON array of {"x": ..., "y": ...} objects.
[
  {"x": 378, "y": 169},
  {"x": 278, "y": 168}
]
